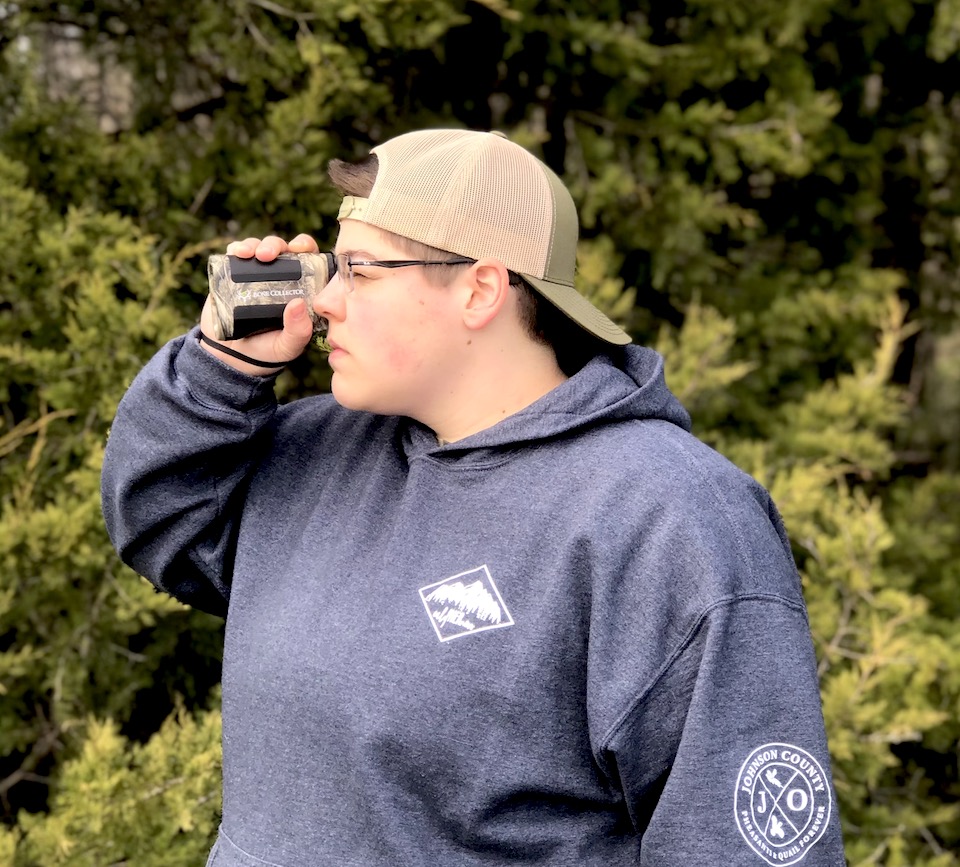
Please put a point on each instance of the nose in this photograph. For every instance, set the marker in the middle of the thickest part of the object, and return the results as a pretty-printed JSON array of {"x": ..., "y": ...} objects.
[{"x": 328, "y": 303}]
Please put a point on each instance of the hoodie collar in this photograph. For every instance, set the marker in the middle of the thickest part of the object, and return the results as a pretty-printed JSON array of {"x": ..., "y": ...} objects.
[{"x": 629, "y": 384}]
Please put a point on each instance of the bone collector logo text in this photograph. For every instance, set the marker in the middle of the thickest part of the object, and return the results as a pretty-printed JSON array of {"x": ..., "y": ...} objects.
[
  {"x": 269, "y": 293},
  {"x": 782, "y": 802}
]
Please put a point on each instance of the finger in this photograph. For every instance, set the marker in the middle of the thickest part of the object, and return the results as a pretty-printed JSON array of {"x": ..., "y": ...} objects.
[
  {"x": 303, "y": 243},
  {"x": 271, "y": 247},
  {"x": 244, "y": 249},
  {"x": 208, "y": 318}
]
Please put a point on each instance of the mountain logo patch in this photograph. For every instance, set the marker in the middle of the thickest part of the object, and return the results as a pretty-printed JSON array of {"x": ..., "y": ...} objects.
[{"x": 465, "y": 604}]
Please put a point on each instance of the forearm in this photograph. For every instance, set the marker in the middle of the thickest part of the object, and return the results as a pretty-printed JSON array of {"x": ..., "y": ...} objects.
[{"x": 185, "y": 438}]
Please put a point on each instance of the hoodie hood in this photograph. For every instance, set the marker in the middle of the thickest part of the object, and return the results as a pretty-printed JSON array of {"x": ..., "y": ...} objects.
[{"x": 628, "y": 385}]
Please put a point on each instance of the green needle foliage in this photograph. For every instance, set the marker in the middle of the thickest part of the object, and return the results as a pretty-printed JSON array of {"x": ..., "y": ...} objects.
[{"x": 770, "y": 195}]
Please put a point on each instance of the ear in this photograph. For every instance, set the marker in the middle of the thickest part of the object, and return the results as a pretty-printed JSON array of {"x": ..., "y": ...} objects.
[{"x": 488, "y": 291}]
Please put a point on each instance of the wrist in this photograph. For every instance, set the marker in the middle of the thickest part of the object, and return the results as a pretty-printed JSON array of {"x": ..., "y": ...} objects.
[{"x": 238, "y": 360}]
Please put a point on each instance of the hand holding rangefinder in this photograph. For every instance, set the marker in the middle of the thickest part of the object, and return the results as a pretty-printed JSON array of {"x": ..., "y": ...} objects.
[{"x": 249, "y": 295}]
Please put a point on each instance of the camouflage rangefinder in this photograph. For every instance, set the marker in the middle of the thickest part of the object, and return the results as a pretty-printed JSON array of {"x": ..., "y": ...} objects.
[{"x": 249, "y": 295}]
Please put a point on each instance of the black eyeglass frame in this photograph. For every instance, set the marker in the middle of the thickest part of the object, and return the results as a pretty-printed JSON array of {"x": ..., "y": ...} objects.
[
  {"x": 515, "y": 279},
  {"x": 402, "y": 263},
  {"x": 347, "y": 274}
]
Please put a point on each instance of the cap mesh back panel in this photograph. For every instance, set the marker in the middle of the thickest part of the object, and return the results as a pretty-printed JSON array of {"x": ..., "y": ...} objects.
[{"x": 475, "y": 196}]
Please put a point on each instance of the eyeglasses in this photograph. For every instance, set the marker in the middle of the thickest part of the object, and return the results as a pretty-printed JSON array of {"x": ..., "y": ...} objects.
[{"x": 345, "y": 266}]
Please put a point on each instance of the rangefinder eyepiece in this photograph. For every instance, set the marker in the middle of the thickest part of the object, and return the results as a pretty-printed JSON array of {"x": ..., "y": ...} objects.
[{"x": 249, "y": 295}]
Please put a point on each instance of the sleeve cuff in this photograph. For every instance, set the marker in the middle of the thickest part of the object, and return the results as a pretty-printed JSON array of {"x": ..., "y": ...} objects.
[{"x": 213, "y": 382}]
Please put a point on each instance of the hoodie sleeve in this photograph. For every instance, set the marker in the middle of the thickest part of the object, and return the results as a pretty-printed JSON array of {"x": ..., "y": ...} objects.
[
  {"x": 725, "y": 759},
  {"x": 713, "y": 729},
  {"x": 186, "y": 437}
]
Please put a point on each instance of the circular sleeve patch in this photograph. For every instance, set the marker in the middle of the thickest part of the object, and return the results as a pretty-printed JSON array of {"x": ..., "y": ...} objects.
[{"x": 782, "y": 802}]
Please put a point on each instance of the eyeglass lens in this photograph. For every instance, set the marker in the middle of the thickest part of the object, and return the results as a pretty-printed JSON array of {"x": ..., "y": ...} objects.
[{"x": 345, "y": 271}]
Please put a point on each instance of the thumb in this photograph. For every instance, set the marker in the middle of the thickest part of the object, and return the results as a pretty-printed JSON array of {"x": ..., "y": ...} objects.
[{"x": 297, "y": 331}]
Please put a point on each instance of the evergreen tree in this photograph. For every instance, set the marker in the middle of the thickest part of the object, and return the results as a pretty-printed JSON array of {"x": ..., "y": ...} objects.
[{"x": 768, "y": 193}]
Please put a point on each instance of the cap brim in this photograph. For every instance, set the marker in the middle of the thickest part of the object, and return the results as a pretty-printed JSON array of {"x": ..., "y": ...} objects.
[{"x": 580, "y": 310}]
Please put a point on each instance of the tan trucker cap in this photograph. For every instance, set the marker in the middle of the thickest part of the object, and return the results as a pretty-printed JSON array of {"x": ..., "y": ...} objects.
[{"x": 478, "y": 194}]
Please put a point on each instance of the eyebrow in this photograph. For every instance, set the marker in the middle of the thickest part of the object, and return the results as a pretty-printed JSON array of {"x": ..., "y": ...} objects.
[{"x": 351, "y": 253}]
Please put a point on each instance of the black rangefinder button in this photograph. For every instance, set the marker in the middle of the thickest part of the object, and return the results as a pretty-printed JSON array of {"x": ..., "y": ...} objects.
[
  {"x": 256, "y": 319},
  {"x": 254, "y": 271}
]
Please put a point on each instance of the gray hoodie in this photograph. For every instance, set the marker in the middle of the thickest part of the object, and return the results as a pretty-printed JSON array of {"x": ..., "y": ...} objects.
[{"x": 574, "y": 638}]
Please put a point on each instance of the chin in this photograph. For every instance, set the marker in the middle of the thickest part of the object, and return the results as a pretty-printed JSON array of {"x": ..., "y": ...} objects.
[
  {"x": 352, "y": 399},
  {"x": 344, "y": 396}
]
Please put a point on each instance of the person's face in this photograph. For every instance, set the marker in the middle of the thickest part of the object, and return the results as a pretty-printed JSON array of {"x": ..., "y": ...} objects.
[{"x": 394, "y": 336}]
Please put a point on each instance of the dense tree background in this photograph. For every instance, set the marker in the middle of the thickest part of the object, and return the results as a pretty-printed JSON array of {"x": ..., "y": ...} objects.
[{"x": 770, "y": 194}]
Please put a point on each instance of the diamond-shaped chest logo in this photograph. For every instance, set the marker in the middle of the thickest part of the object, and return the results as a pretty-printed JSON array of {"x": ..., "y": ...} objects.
[{"x": 465, "y": 604}]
